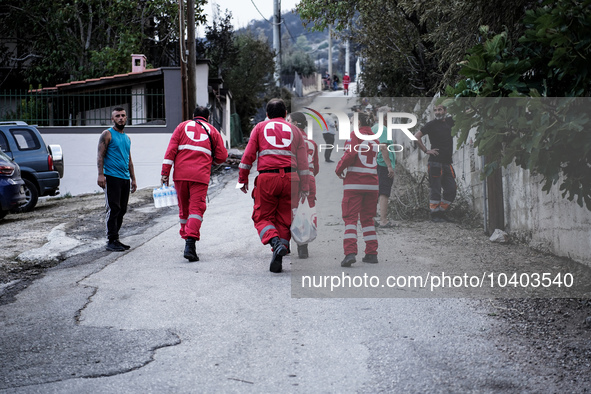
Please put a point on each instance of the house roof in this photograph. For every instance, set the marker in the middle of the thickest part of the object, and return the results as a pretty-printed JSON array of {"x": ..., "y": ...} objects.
[
  {"x": 114, "y": 81},
  {"x": 111, "y": 81}
]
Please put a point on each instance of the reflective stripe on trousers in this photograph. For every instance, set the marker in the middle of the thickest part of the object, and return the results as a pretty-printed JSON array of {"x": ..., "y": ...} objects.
[
  {"x": 360, "y": 206},
  {"x": 192, "y": 205}
]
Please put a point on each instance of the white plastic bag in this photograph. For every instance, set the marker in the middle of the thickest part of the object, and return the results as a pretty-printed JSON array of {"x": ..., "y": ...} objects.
[{"x": 303, "y": 226}]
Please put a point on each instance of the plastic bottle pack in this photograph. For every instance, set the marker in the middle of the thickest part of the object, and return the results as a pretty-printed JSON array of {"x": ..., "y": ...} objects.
[{"x": 165, "y": 196}]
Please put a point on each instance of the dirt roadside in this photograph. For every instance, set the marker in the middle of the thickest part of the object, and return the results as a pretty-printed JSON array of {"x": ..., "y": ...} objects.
[
  {"x": 82, "y": 219},
  {"x": 551, "y": 336}
]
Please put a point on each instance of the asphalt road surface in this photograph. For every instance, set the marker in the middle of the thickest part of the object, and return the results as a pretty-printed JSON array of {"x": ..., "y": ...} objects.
[{"x": 147, "y": 320}]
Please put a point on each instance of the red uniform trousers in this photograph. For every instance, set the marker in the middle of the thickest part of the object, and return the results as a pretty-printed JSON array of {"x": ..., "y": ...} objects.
[
  {"x": 312, "y": 195},
  {"x": 191, "y": 197},
  {"x": 273, "y": 201},
  {"x": 362, "y": 206}
]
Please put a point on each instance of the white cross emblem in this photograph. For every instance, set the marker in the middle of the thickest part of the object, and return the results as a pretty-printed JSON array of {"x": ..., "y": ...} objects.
[
  {"x": 364, "y": 152},
  {"x": 191, "y": 130},
  {"x": 272, "y": 129}
]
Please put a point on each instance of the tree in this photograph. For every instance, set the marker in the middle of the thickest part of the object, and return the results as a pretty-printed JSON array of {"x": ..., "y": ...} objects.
[
  {"x": 219, "y": 44},
  {"x": 244, "y": 62},
  {"x": 514, "y": 107},
  {"x": 296, "y": 59},
  {"x": 297, "y": 62},
  {"x": 411, "y": 48},
  {"x": 251, "y": 76},
  {"x": 60, "y": 40}
]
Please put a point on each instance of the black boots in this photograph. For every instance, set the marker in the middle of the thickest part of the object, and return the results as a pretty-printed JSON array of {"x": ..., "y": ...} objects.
[
  {"x": 279, "y": 250},
  {"x": 276, "y": 265},
  {"x": 112, "y": 246},
  {"x": 370, "y": 258},
  {"x": 190, "y": 253},
  {"x": 348, "y": 260}
]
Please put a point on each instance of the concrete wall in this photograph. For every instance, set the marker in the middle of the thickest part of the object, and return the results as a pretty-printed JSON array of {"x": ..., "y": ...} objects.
[
  {"x": 172, "y": 96},
  {"x": 547, "y": 221},
  {"x": 311, "y": 84},
  {"x": 80, "y": 150}
]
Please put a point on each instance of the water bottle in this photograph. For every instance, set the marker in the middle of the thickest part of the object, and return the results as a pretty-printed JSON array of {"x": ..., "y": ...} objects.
[
  {"x": 167, "y": 196},
  {"x": 171, "y": 196},
  {"x": 174, "y": 196},
  {"x": 162, "y": 196},
  {"x": 157, "y": 194}
]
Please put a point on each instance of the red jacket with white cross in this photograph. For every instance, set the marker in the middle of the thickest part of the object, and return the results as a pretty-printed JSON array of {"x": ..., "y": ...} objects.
[
  {"x": 190, "y": 151},
  {"x": 360, "y": 162},
  {"x": 276, "y": 144}
]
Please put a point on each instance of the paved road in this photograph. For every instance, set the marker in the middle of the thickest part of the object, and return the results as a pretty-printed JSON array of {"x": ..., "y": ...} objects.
[
  {"x": 340, "y": 93},
  {"x": 149, "y": 321}
]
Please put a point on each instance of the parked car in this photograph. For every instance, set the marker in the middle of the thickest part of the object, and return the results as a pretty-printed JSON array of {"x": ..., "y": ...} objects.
[
  {"x": 41, "y": 166},
  {"x": 12, "y": 187}
]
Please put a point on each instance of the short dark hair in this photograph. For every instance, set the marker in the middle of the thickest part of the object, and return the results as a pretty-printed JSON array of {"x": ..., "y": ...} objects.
[
  {"x": 299, "y": 119},
  {"x": 201, "y": 111},
  {"x": 366, "y": 118},
  {"x": 118, "y": 109},
  {"x": 276, "y": 108}
]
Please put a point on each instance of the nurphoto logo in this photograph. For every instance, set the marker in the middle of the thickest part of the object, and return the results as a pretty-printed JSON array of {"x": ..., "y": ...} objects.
[{"x": 344, "y": 123}]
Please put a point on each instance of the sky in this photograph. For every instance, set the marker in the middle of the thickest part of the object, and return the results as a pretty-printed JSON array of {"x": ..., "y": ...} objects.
[{"x": 243, "y": 11}]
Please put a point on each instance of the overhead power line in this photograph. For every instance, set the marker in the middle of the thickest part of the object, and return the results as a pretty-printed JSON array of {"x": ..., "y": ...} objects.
[{"x": 259, "y": 11}]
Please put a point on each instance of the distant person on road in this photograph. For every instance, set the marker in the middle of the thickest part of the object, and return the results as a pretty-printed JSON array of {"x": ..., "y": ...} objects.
[
  {"x": 194, "y": 146},
  {"x": 116, "y": 176},
  {"x": 329, "y": 136},
  {"x": 335, "y": 82},
  {"x": 386, "y": 162},
  {"x": 327, "y": 81},
  {"x": 282, "y": 180},
  {"x": 357, "y": 168},
  {"x": 442, "y": 176},
  {"x": 298, "y": 119},
  {"x": 346, "y": 81}
]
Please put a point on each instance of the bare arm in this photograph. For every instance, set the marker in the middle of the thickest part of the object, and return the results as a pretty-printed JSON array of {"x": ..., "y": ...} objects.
[
  {"x": 419, "y": 135},
  {"x": 104, "y": 141},
  {"x": 386, "y": 157},
  {"x": 132, "y": 174}
]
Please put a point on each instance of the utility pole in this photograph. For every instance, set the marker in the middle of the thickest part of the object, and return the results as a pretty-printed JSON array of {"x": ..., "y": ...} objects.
[
  {"x": 277, "y": 39},
  {"x": 347, "y": 57},
  {"x": 183, "y": 60},
  {"x": 192, "y": 60},
  {"x": 330, "y": 50}
]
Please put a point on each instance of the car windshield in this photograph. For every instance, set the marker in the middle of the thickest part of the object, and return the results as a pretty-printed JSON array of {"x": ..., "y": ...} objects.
[{"x": 4, "y": 156}]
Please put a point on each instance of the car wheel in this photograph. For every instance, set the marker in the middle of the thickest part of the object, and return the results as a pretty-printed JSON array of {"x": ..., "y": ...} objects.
[
  {"x": 3, "y": 213},
  {"x": 32, "y": 195}
]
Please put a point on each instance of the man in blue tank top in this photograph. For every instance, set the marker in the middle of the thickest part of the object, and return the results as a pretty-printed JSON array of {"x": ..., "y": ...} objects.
[{"x": 116, "y": 176}]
